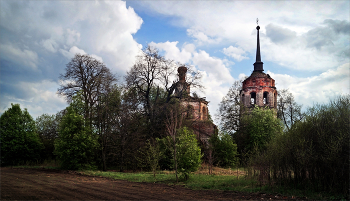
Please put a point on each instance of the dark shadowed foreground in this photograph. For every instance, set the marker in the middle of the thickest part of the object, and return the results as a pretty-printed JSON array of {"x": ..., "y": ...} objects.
[{"x": 44, "y": 184}]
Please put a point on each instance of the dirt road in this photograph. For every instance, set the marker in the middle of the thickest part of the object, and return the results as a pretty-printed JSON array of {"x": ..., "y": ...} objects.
[{"x": 43, "y": 184}]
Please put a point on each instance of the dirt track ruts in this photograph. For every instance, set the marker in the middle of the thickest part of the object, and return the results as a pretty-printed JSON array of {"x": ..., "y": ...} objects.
[{"x": 44, "y": 184}]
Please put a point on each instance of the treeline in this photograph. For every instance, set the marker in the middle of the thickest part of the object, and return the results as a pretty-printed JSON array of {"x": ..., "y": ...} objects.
[
  {"x": 303, "y": 150},
  {"x": 109, "y": 125},
  {"x": 314, "y": 153}
]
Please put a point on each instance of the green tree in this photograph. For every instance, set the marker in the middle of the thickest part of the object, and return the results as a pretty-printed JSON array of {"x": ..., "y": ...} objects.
[
  {"x": 314, "y": 153},
  {"x": 76, "y": 145},
  {"x": 188, "y": 152},
  {"x": 47, "y": 128},
  {"x": 224, "y": 150},
  {"x": 150, "y": 155},
  {"x": 19, "y": 141},
  {"x": 258, "y": 127}
]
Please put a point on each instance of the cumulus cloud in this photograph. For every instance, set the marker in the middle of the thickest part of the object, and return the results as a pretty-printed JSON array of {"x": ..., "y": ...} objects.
[
  {"x": 173, "y": 52},
  {"x": 288, "y": 37},
  {"x": 39, "y": 38},
  {"x": 213, "y": 66},
  {"x": 235, "y": 52},
  {"x": 38, "y": 98},
  {"x": 201, "y": 38}
]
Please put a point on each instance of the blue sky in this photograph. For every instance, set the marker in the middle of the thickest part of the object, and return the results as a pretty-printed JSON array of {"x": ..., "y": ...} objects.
[{"x": 304, "y": 44}]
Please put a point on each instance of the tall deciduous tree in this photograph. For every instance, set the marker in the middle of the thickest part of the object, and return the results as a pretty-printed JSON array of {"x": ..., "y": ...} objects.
[
  {"x": 89, "y": 76},
  {"x": 287, "y": 109},
  {"x": 19, "y": 141}
]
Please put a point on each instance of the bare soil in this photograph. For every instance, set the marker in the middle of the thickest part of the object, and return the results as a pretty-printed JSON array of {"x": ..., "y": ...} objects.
[{"x": 46, "y": 184}]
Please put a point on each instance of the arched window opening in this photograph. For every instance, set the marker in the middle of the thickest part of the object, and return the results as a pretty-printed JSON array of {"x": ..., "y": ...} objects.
[
  {"x": 204, "y": 110},
  {"x": 275, "y": 100},
  {"x": 190, "y": 112},
  {"x": 253, "y": 98},
  {"x": 243, "y": 98},
  {"x": 265, "y": 99}
]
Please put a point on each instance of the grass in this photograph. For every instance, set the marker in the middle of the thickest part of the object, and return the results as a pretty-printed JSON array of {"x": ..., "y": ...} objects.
[{"x": 221, "y": 179}]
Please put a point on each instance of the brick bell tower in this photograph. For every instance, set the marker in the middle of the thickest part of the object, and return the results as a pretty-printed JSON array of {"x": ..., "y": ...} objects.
[{"x": 259, "y": 88}]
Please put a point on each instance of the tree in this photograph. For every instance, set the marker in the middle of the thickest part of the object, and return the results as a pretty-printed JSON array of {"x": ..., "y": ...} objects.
[
  {"x": 76, "y": 144},
  {"x": 224, "y": 150},
  {"x": 314, "y": 153},
  {"x": 173, "y": 123},
  {"x": 154, "y": 79},
  {"x": 47, "y": 128},
  {"x": 188, "y": 152},
  {"x": 89, "y": 76},
  {"x": 19, "y": 141},
  {"x": 150, "y": 155},
  {"x": 107, "y": 117},
  {"x": 257, "y": 129},
  {"x": 287, "y": 109},
  {"x": 229, "y": 113}
]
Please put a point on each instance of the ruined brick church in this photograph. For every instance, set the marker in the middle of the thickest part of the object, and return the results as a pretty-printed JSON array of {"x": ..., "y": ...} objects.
[
  {"x": 259, "y": 88},
  {"x": 197, "y": 112}
]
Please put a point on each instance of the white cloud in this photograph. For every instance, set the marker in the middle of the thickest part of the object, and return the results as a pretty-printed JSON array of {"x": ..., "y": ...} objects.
[
  {"x": 174, "y": 53},
  {"x": 286, "y": 25},
  {"x": 201, "y": 38},
  {"x": 316, "y": 89},
  {"x": 235, "y": 52},
  {"x": 213, "y": 66},
  {"x": 39, "y": 98}
]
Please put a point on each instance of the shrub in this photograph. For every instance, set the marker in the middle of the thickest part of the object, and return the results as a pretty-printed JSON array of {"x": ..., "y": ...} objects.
[
  {"x": 188, "y": 152},
  {"x": 224, "y": 150}
]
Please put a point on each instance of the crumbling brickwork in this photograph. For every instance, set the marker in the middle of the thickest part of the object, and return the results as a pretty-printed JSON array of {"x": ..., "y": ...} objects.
[
  {"x": 197, "y": 113},
  {"x": 259, "y": 89}
]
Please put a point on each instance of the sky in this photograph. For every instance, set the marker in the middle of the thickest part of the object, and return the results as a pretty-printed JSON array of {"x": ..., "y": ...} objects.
[{"x": 305, "y": 45}]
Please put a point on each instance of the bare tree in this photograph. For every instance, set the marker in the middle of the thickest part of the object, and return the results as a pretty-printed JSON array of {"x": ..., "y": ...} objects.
[
  {"x": 287, "y": 109},
  {"x": 154, "y": 79},
  {"x": 88, "y": 75}
]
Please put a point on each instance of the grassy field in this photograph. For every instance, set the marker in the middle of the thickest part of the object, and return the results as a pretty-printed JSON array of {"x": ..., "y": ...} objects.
[{"x": 221, "y": 179}]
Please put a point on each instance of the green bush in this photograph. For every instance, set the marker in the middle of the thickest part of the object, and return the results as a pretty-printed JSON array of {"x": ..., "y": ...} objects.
[
  {"x": 188, "y": 152},
  {"x": 20, "y": 143},
  {"x": 76, "y": 144},
  {"x": 224, "y": 150}
]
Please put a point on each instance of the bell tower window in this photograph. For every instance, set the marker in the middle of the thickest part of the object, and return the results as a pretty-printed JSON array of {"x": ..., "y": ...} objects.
[
  {"x": 253, "y": 98},
  {"x": 265, "y": 99}
]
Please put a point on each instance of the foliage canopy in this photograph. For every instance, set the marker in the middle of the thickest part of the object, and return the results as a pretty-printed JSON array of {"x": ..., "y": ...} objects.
[{"x": 19, "y": 141}]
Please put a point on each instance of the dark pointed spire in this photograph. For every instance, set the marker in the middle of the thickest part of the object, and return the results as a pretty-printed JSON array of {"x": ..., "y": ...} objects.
[{"x": 258, "y": 65}]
